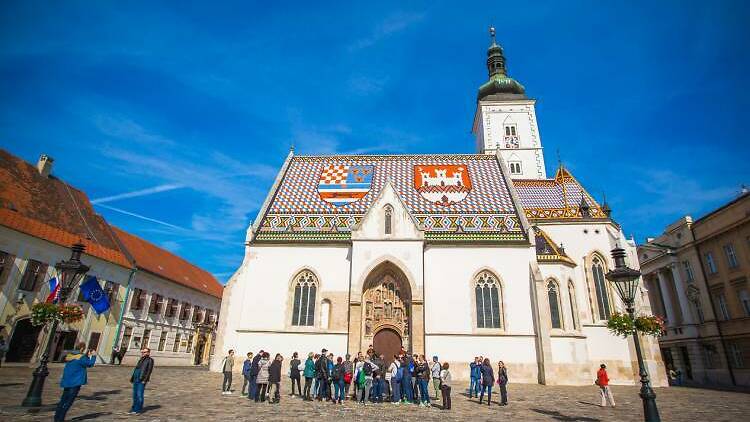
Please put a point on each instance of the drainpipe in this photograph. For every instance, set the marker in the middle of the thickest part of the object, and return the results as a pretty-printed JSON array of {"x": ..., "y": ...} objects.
[
  {"x": 713, "y": 308},
  {"x": 122, "y": 308}
]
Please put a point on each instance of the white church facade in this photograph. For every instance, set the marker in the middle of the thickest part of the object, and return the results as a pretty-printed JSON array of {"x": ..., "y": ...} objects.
[{"x": 451, "y": 255}]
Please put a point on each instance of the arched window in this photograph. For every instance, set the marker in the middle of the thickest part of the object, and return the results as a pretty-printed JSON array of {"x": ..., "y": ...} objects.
[
  {"x": 553, "y": 297},
  {"x": 573, "y": 304},
  {"x": 305, "y": 287},
  {"x": 600, "y": 286},
  {"x": 488, "y": 299},
  {"x": 388, "y": 219}
]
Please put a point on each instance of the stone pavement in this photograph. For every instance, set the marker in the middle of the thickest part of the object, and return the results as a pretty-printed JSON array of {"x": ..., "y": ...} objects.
[{"x": 193, "y": 394}]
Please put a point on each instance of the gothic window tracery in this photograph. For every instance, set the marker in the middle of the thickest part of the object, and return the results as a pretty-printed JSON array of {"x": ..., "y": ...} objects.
[
  {"x": 488, "y": 297},
  {"x": 553, "y": 297},
  {"x": 305, "y": 290},
  {"x": 600, "y": 287}
]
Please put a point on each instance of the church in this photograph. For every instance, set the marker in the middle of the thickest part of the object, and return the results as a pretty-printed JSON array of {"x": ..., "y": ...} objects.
[{"x": 454, "y": 256}]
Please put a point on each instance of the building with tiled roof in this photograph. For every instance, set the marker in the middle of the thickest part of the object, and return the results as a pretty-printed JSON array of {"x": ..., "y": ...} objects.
[
  {"x": 41, "y": 216},
  {"x": 455, "y": 255}
]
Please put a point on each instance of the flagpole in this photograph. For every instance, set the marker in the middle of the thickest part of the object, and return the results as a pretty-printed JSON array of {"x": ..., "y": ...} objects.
[{"x": 122, "y": 312}]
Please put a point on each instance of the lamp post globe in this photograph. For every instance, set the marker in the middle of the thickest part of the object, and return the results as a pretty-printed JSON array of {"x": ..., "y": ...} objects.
[
  {"x": 69, "y": 272},
  {"x": 625, "y": 281}
]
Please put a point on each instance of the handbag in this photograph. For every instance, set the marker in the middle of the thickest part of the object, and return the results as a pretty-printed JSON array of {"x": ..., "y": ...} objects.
[{"x": 348, "y": 378}]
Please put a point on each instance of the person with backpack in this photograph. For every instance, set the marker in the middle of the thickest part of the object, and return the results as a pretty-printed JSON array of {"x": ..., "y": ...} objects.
[
  {"x": 337, "y": 378},
  {"x": 294, "y": 365},
  {"x": 321, "y": 374},
  {"x": 488, "y": 378},
  {"x": 502, "y": 381},
  {"x": 365, "y": 379},
  {"x": 226, "y": 368},
  {"x": 407, "y": 391},
  {"x": 262, "y": 379},
  {"x": 396, "y": 375},
  {"x": 309, "y": 374},
  {"x": 348, "y": 375},
  {"x": 252, "y": 393},
  {"x": 423, "y": 379},
  {"x": 246, "y": 373}
]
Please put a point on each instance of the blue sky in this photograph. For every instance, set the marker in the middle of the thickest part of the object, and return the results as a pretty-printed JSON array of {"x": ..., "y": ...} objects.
[{"x": 175, "y": 117}]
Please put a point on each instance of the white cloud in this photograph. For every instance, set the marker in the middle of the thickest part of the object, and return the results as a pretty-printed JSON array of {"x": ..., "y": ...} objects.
[{"x": 392, "y": 24}]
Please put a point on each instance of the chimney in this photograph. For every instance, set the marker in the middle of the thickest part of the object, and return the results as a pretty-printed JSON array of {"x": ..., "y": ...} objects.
[{"x": 45, "y": 165}]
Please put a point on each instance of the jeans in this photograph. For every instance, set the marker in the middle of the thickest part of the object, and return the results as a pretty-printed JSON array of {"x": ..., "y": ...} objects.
[
  {"x": 424, "y": 391},
  {"x": 308, "y": 382},
  {"x": 227, "y": 384},
  {"x": 68, "y": 397},
  {"x": 316, "y": 384},
  {"x": 276, "y": 391},
  {"x": 503, "y": 394},
  {"x": 138, "y": 390},
  {"x": 295, "y": 380},
  {"x": 252, "y": 388},
  {"x": 445, "y": 392},
  {"x": 245, "y": 383},
  {"x": 323, "y": 389},
  {"x": 339, "y": 393},
  {"x": 377, "y": 390},
  {"x": 366, "y": 390},
  {"x": 474, "y": 387},
  {"x": 488, "y": 389},
  {"x": 408, "y": 392},
  {"x": 395, "y": 391}
]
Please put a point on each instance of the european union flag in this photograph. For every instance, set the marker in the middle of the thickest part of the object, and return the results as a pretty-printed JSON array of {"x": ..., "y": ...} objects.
[{"x": 93, "y": 293}]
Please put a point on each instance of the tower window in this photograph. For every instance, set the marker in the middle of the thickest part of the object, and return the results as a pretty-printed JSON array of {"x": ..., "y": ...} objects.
[
  {"x": 510, "y": 138},
  {"x": 515, "y": 167}
]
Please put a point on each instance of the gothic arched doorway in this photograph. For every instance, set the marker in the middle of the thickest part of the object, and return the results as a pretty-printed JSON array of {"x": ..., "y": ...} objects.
[
  {"x": 387, "y": 342},
  {"x": 386, "y": 309},
  {"x": 23, "y": 342}
]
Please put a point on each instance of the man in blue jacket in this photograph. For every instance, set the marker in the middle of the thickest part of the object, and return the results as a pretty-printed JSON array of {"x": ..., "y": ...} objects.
[
  {"x": 475, "y": 374},
  {"x": 74, "y": 376}
]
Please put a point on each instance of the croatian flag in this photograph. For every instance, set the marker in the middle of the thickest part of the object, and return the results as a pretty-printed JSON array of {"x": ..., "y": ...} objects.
[{"x": 54, "y": 290}]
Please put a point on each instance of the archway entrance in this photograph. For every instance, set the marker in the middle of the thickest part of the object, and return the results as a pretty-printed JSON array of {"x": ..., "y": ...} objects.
[
  {"x": 23, "y": 342},
  {"x": 386, "y": 309},
  {"x": 388, "y": 343}
]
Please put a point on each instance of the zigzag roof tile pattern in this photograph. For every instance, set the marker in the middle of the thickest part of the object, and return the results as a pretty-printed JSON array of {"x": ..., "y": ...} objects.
[
  {"x": 558, "y": 198},
  {"x": 298, "y": 210}
]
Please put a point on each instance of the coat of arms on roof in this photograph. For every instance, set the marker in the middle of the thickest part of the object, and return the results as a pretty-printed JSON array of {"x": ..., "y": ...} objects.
[
  {"x": 442, "y": 184},
  {"x": 343, "y": 184}
]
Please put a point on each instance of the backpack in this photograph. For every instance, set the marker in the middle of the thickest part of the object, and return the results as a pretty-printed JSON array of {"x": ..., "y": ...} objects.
[
  {"x": 399, "y": 374},
  {"x": 367, "y": 369},
  {"x": 336, "y": 375}
]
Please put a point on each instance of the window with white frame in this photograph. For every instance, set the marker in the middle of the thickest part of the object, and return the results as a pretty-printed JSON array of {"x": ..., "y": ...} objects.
[
  {"x": 688, "y": 271},
  {"x": 710, "y": 263},
  {"x": 510, "y": 135},
  {"x": 745, "y": 301},
  {"x": 721, "y": 305},
  {"x": 731, "y": 255},
  {"x": 699, "y": 310},
  {"x": 515, "y": 167},
  {"x": 735, "y": 355},
  {"x": 600, "y": 285},
  {"x": 176, "y": 344},
  {"x": 710, "y": 356},
  {"x": 488, "y": 296},
  {"x": 305, "y": 288}
]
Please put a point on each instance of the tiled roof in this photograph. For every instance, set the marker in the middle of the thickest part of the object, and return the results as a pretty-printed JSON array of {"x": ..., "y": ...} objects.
[
  {"x": 471, "y": 200},
  {"x": 16, "y": 221},
  {"x": 164, "y": 264},
  {"x": 50, "y": 201},
  {"x": 558, "y": 198},
  {"x": 549, "y": 251}
]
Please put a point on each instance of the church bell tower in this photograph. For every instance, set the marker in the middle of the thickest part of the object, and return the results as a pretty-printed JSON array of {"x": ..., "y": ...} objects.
[{"x": 505, "y": 120}]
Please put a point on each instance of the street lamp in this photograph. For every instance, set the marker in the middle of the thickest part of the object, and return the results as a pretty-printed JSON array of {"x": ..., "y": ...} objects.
[
  {"x": 625, "y": 280},
  {"x": 69, "y": 274}
]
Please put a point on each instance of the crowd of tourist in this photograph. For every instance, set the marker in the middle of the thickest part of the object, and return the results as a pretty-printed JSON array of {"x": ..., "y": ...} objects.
[{"x": 367, "y": 378}]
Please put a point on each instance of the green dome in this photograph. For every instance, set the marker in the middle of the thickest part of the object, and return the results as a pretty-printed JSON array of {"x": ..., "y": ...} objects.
[{"x": 500, "y": 84}]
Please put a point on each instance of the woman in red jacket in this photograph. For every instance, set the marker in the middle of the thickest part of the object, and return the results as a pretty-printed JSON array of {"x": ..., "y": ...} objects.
[{"x": 602, "y": 380}]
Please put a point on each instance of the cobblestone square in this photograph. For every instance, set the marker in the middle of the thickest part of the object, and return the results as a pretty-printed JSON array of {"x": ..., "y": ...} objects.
[{"x": 193, "y": 394}]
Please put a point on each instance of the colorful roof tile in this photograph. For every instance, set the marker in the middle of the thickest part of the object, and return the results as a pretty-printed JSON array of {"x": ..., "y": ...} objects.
[
  {"x": 547, "y": 251},
  {"x": 452, "y": 197},
  {"x": 558, "y": 198}
]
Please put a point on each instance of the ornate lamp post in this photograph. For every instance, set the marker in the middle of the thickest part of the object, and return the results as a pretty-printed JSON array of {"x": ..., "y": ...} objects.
[
  {"x": 625, "y": 280},
  {"x": 70, "y": 273}
]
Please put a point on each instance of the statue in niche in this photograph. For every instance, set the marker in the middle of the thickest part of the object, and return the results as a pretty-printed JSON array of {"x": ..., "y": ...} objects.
[
  {"x": 388, "y": 309},
  {"x": 368, "y": 309},
  {"x": 378, "y": 296},
  {"x": 378, "y": 314},
  {"x": 368, "y": 327}
]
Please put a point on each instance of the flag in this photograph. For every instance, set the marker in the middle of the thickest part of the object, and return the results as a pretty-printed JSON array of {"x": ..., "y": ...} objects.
[
  {"x": 93, "y": 293},
  {"x": 54, "y": 290}
]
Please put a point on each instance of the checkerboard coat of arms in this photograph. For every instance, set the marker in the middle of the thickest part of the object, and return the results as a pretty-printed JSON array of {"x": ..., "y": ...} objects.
[
  {"x": 442, "y": 184},
  {"x": 342, "y": 184}
]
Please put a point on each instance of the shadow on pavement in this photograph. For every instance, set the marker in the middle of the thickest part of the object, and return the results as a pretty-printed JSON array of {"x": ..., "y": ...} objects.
[
  {"x": 560, "y": 417},
  {"x": 150, "y": 408},
  {"x": 589, "y": 403},
  {"x": 99, "y": 395},
  {"x": 11, "y": 384},
  {"x": 91, "y": 416}
]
